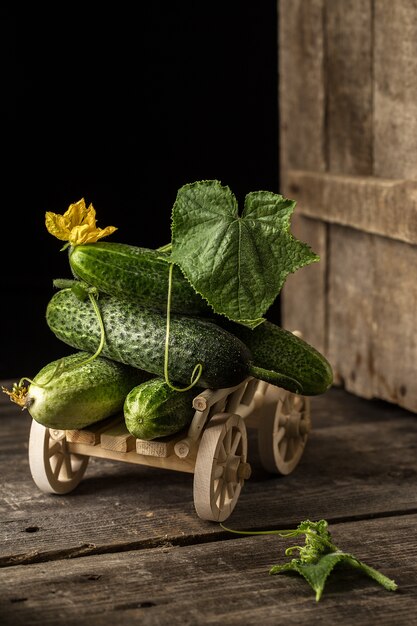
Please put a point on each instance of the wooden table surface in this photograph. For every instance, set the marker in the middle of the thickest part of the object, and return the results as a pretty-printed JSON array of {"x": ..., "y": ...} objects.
[{"x": 126, "y": 546}]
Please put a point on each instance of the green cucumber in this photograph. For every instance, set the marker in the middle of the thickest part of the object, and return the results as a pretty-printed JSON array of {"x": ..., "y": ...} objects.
[
  {"x": 135, "y": 335},
  {"x": 152, "y": 409},
  {"x": 79, "y": 393},
  {"x": 275, "y": 348},
  {"x": 140, "y": 274}
]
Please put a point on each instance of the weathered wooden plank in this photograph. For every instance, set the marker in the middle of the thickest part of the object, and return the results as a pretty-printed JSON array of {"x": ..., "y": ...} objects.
[
  {"x": 394, "y": 329},
  {"x": 301, "y": 85},
  {"x": 303, "y": 299},
  {"x": 302, "y": 120},
  {"x": 302, "y": 123},
  {"x": 349, "y": 90},
  {"x": 381, "y": 206},
  {"x": 368, "y": 67},
  {"x": 222, "y": 582},
  {"x": 351, "y": 309},
  {"x": 358, "y": 452},
  {"x": 395, "y": 87},
  {"x": 372, "y": 316}
]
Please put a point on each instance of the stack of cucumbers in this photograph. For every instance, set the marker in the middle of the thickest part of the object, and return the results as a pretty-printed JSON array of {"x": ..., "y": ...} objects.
[{"x": 146, "y": 354}]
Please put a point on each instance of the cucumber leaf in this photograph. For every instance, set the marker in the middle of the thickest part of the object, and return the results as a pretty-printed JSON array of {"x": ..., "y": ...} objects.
[
  {"x": 317, "y": 573},
  {"x": 318, "y": 556},
  {"x": 238, "y": 263},
  {"x": 314, "y": 573}
]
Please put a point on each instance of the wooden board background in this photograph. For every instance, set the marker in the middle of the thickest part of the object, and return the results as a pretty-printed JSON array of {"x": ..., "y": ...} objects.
[{"x": 348, "y": 155}]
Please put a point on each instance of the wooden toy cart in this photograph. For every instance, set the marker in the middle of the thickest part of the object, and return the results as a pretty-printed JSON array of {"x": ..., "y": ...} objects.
[{"x": 214, "y": 447}]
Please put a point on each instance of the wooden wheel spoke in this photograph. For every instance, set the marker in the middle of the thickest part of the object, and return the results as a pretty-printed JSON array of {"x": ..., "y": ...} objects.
[
  {"x": 224, "y": 495},
  {"x": 218, "y": 489},
  {"x": 282, "y": 420},
  {"x": 279, "y": 407},
  {"x": 56, "y": 448},
  {"x": 68, "y": 467},
  {"x": 237, "y": 438},
  {"x": 290, "y": 449},
  {"x": 293, "y": 425},
  {"x": 59, "y": 459},
  {"x": 279, "y": 434},
  {"x": 230, "y": 490},
  {"x": 222, "y": 454},
  {"x": 227, "y": 442},
  {"x": 283, "y": 447},
  {"x": 219, "y": 494},
  {"x": 218, "y": 471}
]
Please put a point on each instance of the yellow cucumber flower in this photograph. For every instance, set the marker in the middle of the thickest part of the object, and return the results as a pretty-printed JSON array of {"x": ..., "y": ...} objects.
[{"x": 77, "y": 225}]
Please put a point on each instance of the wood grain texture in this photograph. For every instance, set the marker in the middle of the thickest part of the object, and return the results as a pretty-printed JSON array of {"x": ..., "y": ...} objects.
[
  {"x": 364, "y": 180},
  {"x": 351, "y": 310},
  {"x": 302, "y": 97},
  {"x": 357, "y": 452},
  {"x": 118, "y": 438},
  {"x": 349, "y": 89},
  {"x": 369, "y": 310},
  {"x": 91, "y": 434},
  {"x": 395, "y": 323},
  {"x": 395, "y": 89},
  {"x": 305, "y": 290},
  {"x": 223, "y": 582},
  {"x": 380, "y": 206},
  {"x": 157, "y": 448},
  {"x": 301, "y": 85},
  {"x": 127, "y": 546}
]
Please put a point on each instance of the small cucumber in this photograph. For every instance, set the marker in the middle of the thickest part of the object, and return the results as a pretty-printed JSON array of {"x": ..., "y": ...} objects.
[
  {"x": 135, "y": 335},
  {"x": 140, "y": 274},
  {"x": 153, "y": 409},
  {"x": 275, "y": 348},
  {"x": 82, "y": 393}
]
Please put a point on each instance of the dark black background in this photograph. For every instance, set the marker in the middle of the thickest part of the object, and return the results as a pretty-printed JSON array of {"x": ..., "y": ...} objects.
[{"x": 122, "y": 107}]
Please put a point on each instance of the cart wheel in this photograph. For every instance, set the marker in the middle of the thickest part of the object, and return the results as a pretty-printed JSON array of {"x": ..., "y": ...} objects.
[
  {"x": 221, "y": 467},
  {"x": 284, "y": 424},
  {"x": 54, "y": 469}
]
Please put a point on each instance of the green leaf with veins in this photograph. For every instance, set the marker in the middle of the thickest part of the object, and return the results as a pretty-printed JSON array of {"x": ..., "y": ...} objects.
[
  {"x": 317, "y": 558},
  {"x": 316, "y": 573},
  {"x": 238, "y": 263}
]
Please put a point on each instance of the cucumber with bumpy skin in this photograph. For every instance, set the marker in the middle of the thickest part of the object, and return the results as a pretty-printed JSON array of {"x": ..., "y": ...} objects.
[
  {"x": 153, "y": 409},
  {"x": 135, "y": 335},
  {"x": 79, "y": 393},
  {"x": 276, "y": 348},
  {"x": 139, "y": 274}
]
